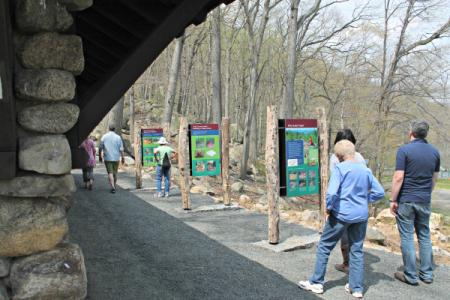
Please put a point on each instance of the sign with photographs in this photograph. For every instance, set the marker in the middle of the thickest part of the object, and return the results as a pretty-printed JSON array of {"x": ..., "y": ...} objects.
[
  {"x": 205, "y": 149},
  {"x": 149, "y": 141},
  {"x": 302, "y": 157}
]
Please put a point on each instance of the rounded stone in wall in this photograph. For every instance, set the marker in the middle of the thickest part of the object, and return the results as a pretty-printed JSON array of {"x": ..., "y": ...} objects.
[
  {"x": 3, "y": 292},
  {"x": 45, "y": 85},
  {"x": 5, "y": 263},
  {"x": 36, "y": 185},
  {"x": 30, "y": 225},
  {"x": 53, "y": 51},
  {"x": 36, "y": 16},
  {"x": 45, "y": 154},
  {"x": 77, "y": 5},
  {"x": 58, "y": 274},
  {"x": 49, "y": 118}
]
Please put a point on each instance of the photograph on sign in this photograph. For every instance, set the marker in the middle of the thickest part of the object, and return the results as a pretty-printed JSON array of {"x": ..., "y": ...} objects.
[
  {"x": 149, "y": 141},
  {"x": 302, "y": 157},
  {"x": 205, "y": 149}
]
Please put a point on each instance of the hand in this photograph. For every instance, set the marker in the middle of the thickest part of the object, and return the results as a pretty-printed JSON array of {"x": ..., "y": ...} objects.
[
  {"x": 327, "y": 215},
  {"x": 394, "y": 208}
]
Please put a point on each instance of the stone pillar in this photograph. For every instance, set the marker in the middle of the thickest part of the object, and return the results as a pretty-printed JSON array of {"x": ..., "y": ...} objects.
[{"x": 36, "y": 261}]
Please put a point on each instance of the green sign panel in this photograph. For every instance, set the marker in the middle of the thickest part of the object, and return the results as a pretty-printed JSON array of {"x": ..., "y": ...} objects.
[
  {"x": 205, "y": 150},
  {"x": 149, "y": 141},
  {"x": 302, "y": 157}
]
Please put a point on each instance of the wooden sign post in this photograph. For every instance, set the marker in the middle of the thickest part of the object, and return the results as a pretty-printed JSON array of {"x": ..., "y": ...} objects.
[
  {"x": 183, "y": 147},
  {"x": 272, "y": 179},
  {"x": 137, "y": 156},
  {"x": 323, "y": 150},
  {"x": 226, "y": 161}
]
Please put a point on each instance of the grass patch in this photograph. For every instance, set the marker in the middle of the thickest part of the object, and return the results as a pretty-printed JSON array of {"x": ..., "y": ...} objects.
[{"x": 443, "y": 184}]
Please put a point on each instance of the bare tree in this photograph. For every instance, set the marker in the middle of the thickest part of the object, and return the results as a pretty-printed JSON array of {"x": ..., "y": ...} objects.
[
  {"x": 216, "y": 56},
  {"x": 389, "y": 73},
  {"x": 172, "y": 86},
  {"x": 256, "y": 33}
]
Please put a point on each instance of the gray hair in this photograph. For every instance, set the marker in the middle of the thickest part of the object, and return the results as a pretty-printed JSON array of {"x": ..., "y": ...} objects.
[{"x": 419, "y": 129}]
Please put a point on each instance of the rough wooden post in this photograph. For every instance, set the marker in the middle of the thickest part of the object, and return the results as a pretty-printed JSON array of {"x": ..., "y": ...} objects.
[
  {"x": 226, "y": 161},
  {"x": 272, "y": 179},
  {"x": 138, "y": 156},
  {"x": 323, "y": 150},
  {"x": 183, "y": 147}
]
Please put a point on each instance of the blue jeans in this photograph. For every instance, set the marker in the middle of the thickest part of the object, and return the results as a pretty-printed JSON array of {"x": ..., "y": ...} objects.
[
  {"x": 333, "y": 231},
  {"x": 160, "y": 173},
  {"x": 416, "y": 216}
]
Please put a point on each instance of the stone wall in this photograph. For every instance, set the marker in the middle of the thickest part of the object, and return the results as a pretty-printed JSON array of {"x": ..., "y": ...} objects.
[{"x": 36, "y": 261}]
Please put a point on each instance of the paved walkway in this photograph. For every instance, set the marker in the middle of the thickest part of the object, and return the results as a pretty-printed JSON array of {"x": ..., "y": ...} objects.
[{"x": 140, "y": 247}]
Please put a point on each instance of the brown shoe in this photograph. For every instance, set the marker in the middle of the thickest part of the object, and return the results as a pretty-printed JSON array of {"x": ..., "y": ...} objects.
[
  {"x": 342, "y": 268},
  {"x": 401, "y": 277}
]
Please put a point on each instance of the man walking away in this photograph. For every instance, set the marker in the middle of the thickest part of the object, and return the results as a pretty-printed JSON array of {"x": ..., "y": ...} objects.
[
  {"x": 163, "y": 154},
  {"x": 416, "y": 172},
  {"x": 111, "y": 150}
]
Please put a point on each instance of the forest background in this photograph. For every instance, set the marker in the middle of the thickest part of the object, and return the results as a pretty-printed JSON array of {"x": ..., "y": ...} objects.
[{"x": 374, "y": 65}]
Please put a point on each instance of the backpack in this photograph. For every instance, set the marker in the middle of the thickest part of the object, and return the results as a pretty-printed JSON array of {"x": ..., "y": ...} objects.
[{"x": 166, "y": 162}]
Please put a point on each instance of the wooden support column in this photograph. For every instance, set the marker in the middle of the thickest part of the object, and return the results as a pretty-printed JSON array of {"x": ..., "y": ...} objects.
[
  {"x": 138, "y": 156},
  {"x": 226, "y": 161},
  {"x": 323, "y": 150},
  {"x": 183, "y": 147},
  {"x": 272, "y": 178}
]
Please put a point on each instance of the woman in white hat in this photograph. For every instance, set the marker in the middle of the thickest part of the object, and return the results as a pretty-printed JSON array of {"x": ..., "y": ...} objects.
[{"x": 163, "y": 154}]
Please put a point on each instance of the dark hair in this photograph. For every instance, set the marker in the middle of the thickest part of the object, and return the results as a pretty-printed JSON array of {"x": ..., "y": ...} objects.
[
  {"x": 112, "y": 128},
  {"x": 345, "y": 134},
  {"x": 419, "y": 129}
]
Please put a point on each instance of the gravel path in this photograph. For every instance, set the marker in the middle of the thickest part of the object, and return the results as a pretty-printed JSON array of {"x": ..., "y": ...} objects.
[{"x": 140, "y": 247}]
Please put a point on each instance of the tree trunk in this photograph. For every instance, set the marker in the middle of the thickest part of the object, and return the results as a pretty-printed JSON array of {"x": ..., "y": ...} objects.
[
  {"x": 216, "y": 101},
  {"x": 173, "y": 78},
  {"x": 132, "y": 113},
  {"x": 137, "y": 157},
  {"x": 287, "y": 104}
]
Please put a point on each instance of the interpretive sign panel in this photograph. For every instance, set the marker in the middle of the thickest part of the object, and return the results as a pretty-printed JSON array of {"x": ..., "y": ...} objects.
[
  {"x": 149, "y": 141},
  {"x": 302, "y": 157},
  {"x": 205, "y": 149}
]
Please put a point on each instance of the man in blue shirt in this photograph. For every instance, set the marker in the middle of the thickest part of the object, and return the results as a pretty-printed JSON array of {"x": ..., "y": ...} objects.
[
  {"x": 416, "y": 173},
  {"x": 351, "y": 188},
  {"x": 111, "y": 150}
]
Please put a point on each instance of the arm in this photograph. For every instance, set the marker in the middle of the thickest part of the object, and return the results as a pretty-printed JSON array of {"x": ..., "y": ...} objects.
[
  {"x": 436, "y": 172},
  {"x": 397, "y": 180},
  {"x": 435, "y": 178},
  {"x": 333, "y": 189},
  {"x": 376, "y": 190},
  {"x": 100, "y": 151},
  {"x": 122, "y": 153}
]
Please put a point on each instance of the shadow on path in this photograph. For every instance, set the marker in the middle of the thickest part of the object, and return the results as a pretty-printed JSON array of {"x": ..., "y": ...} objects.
[
  {"x": 371, "y": 277},
  {"x": 136, "y": 251}
]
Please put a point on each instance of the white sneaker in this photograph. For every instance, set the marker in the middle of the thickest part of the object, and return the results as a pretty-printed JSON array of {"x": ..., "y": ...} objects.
[
  {"x": 159, "y": 195},
  {"x": 355, "y": 294},
  {"x": 166, "y": 195},
  {"x": 316, "y": 288}
]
